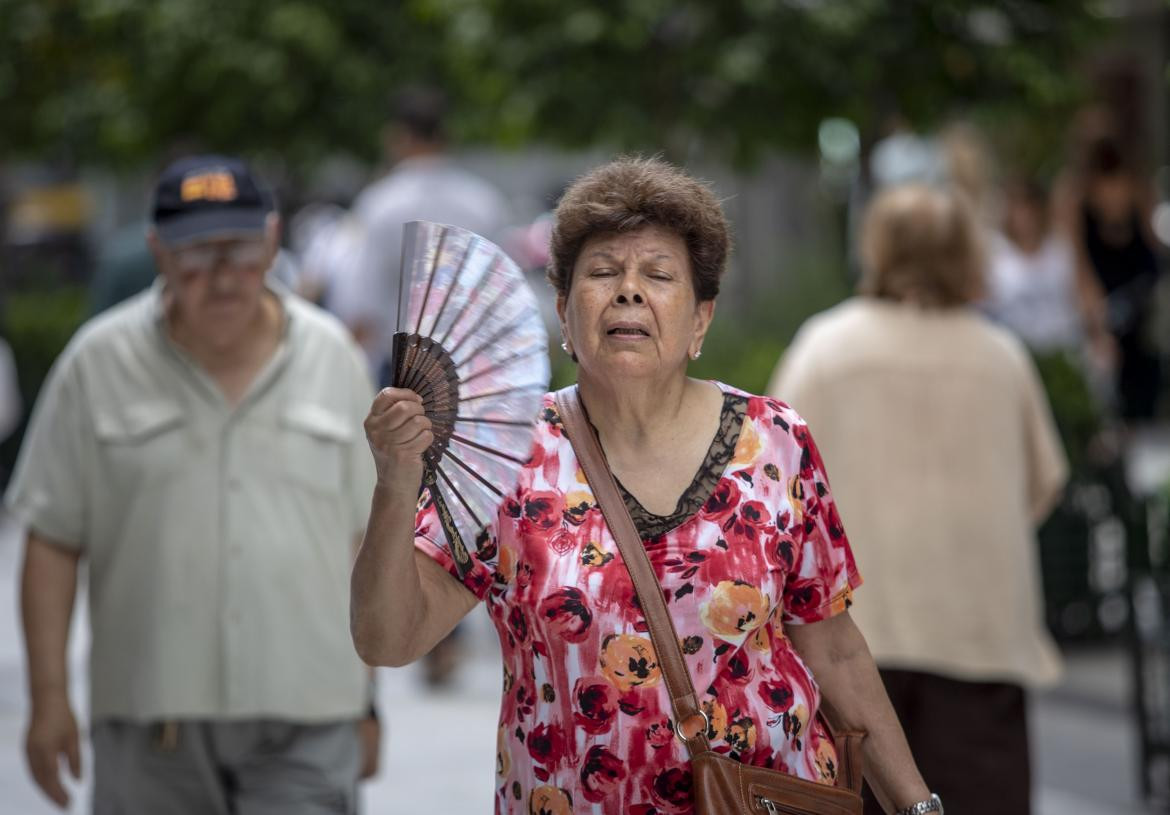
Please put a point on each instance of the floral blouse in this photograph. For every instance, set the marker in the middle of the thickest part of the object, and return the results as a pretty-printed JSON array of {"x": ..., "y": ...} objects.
[{"x": 585, "y": 722}]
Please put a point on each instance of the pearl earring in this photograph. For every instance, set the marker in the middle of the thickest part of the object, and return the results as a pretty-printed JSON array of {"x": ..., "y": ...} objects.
[
  {"x": 565, "y": 346},
  {"x": 697, "y": 354}
]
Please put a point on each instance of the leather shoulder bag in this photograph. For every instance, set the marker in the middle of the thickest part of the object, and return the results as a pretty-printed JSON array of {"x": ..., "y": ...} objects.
[{"x": 722, "y": 786}]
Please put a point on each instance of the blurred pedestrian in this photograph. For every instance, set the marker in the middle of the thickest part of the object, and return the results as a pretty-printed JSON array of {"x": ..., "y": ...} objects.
[
  {"x": 1107, "y": 208},
  {"x": 1032, "y": 274},
  {"x": 325, "y": 241},
  {"x": 426, "y": 184},
  {"x": 944, "y": 458},
  {"x": 724, "y": 490},
  {"x": 199, "y": 447},
  {"x": 11, "y": 400},
  {"x": 971, "y": 169}
]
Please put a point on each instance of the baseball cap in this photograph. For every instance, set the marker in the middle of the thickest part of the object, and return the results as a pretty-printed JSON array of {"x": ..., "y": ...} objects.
[{"x": 200, "y": 197}]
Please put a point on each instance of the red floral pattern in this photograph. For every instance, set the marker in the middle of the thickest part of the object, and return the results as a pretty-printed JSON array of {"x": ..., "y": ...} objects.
[{"x": 585, "y": 722}]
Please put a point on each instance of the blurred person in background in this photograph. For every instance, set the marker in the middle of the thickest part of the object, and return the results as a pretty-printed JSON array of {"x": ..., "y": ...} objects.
[
  {"x": 728, "y": 484},
  {"x": 317, "y": 235},
  {"x": 424, "y": 184},
  {"x": 199, "y": 446},
  {"x": 1106, "y": 206},
  {"x": 528, "y": 245},
  {"x": 971, "y": 170},
  {"x": 944, "y": 458},
  {"x": 11, "y": 400},
  {"x": 1032, "y": 273}
]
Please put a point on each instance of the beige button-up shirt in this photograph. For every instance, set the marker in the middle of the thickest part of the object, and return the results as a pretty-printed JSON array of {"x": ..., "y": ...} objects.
[
  {"x": 940, "y": 446},
  {"x": 218, "y": 539}
]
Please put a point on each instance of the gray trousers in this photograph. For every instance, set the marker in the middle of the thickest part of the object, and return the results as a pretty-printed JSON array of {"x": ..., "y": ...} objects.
[{"x": 256, "y": 767}]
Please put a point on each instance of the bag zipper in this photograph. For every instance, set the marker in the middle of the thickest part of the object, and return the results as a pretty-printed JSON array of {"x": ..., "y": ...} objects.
[{"x": 774, "y": 808}]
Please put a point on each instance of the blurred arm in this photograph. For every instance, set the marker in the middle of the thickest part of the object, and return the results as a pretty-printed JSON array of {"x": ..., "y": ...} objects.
[
  {"x": 1068, "y": 220},
  {"x": 836, "y": 653},
  {"x": 48, "y": 587}
]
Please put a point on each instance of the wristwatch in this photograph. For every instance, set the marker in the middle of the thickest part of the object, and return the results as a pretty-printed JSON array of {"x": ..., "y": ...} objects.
[{"x": 932, "y": 804}]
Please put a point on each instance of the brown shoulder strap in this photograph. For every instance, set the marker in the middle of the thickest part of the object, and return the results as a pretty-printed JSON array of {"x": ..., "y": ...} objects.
[{"x": 662, "y": 634}]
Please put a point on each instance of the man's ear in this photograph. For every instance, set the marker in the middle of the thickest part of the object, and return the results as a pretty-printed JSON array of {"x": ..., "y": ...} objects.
[
  {"x": 157, "y": 249},
  {"x": 273, "y": 227}
]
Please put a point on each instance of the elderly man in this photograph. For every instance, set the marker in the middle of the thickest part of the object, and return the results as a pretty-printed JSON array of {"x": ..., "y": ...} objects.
[{"x": 200, "y": 447}]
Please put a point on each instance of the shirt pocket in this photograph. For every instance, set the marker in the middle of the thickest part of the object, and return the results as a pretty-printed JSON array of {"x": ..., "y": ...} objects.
[
  {"x": 316, "y": 441},
  {"x": 143, "y": 444}
]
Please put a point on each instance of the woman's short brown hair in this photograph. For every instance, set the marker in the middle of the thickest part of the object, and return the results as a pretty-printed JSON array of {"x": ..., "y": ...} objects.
[
  {"x": 922, "y": 244},
  {"x": 629, "y": 193}
]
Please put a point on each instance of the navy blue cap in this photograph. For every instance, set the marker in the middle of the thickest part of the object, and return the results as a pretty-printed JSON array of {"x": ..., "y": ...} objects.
[{"x": 202, "y": 197}]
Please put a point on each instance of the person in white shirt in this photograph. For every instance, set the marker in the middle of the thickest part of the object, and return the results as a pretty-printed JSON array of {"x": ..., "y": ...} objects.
[
  {"x": 425, "y": 184},
  {"x": 1032, "y": 274}
]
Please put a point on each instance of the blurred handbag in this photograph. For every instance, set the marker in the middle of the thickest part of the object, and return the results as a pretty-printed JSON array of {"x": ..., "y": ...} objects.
[{"x": 722, "y": 786}]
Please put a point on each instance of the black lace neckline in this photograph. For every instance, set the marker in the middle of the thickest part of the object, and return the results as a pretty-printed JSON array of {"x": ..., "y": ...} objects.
[{"x": 706, "y": 479}]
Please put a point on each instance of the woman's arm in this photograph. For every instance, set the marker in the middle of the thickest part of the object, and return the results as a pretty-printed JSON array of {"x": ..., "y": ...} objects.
[
  {"x": 401, "y": 602},
  {"x": 836, "y": 653}
]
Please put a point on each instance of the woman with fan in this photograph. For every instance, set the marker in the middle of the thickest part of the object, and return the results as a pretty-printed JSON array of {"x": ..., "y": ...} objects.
[{"x": 730, "y": 503}]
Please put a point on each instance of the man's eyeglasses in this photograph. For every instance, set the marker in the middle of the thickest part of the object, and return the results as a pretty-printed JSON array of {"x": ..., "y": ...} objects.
[{"x": 203, "y": 258}]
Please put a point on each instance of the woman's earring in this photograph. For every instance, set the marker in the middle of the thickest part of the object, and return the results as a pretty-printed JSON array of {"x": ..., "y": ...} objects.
[
  {"x": 696, "y": 355},
  {"x": 566, "y": 349}
]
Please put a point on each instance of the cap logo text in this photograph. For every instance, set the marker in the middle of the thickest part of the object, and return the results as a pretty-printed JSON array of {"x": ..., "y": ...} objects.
[{"x": 216, "y": 185}]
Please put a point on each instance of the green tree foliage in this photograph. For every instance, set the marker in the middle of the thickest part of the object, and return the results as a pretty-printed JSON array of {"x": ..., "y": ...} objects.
[{"x": 117, "y": 79}]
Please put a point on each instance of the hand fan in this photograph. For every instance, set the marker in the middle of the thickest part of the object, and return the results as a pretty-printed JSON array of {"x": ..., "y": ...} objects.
[{"x": 470, "y": 340}]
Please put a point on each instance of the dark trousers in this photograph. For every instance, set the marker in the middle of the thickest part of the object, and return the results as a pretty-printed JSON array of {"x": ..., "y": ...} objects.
[
  {"x": 1139, "y": 382},
  {"x": 969, "y": 739}
]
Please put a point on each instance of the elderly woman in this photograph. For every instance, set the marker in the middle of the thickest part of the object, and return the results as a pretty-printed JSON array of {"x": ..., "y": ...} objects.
[
  {"x": 944, "y": 457},
  {"x": 729, "y": 496}
]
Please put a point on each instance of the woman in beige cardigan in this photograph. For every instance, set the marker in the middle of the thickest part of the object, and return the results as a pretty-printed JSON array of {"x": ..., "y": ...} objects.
[{"x": 944, "y": 458}]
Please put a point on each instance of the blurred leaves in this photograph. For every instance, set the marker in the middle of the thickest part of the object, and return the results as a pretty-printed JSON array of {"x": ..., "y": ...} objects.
[{"x": 115, "y": 80}]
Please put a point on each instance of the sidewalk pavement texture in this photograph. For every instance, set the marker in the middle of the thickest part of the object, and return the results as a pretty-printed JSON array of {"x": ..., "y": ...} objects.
[{"x": 1084, "y": 742}]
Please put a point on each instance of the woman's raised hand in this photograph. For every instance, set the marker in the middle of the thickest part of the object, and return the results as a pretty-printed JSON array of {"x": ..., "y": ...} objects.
[{"x": 398, "y": 432}]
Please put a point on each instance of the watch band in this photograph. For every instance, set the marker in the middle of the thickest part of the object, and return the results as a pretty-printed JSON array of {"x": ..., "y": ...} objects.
[{"x": 932, "y": 804}]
